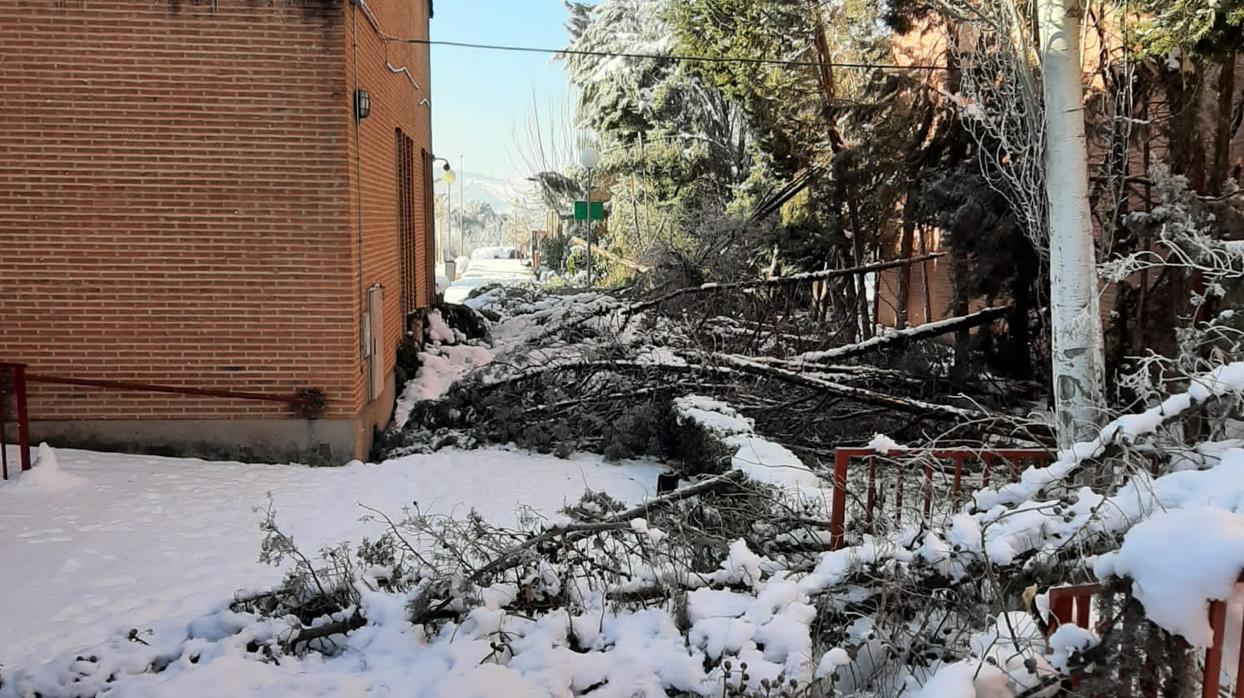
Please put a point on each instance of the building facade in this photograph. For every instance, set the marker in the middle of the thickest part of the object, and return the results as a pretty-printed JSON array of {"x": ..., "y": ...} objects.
[
  {"x": 930, "y": 285},
  {"x": 191, "y": 197}
]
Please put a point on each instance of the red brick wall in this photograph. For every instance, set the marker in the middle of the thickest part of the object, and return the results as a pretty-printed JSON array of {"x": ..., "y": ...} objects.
[
  {"x": 172, "y": 208},
  {"x": 395, "y": 104},
  {"x": 941, "y": 296}
]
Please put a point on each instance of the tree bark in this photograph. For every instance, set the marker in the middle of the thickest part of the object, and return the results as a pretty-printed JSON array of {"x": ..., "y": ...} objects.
[
  {"x": 1076, "y": 319},
  {"x": 863, "y": 321},
  {"x": 907, "y": 247},
  {"x": 806, "y": 277},
  {"x": 825, "y": 74},
  {"x": 907, "y": 244},
  {"x": 1222, "y": 130},
  {"x": 904, "y": 337},
  {"x": 748, "y": 365},
  {"x": 924, "y": 279}
]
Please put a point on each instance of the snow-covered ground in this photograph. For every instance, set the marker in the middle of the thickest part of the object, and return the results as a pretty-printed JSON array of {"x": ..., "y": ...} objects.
[
  {"x": 480, "y": 272},
  {"x": 108, "y": 542}
]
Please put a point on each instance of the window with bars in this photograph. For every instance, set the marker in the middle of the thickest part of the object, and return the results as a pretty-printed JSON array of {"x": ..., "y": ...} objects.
[
  {"x": 427, "y": 250},
  {"x": 407, "y": 261}
]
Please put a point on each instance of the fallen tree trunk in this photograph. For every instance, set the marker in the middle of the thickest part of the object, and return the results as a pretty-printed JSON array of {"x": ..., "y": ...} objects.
[
  {"x": 629, "y": 311},
  {"x": 729, "y": 364},
  {"x": 780, "y": 280},
  {"x": 643, "y": 268},
  {"x": 901, "y": 338},
  {"x": 871, "y": 397}
]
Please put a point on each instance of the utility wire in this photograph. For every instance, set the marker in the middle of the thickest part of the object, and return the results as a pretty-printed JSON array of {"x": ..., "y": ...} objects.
[{"x": 659, "y": 57}]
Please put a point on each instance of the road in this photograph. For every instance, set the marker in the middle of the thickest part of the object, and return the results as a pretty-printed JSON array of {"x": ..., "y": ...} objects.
[{"x": 481, "y": 272}]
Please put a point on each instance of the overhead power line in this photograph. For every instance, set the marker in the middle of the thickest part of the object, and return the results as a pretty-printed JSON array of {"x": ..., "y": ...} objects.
[{"x": 660, "y": 56}]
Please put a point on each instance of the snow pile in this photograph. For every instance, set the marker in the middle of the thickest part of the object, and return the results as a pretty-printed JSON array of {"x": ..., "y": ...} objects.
[
  {"x": 45, "y": 474},
  {"x": 712, "y": 415},
  {"x": 967, "y": 679},
  {"x": 1068, "y": 641},
  {"x": 491, "y": 653},
  {"x": 884, "y": 444},
  {"x": 494, "y": 253},
  {"x": 830, "y": 662},
  {"x": 1178, "y": 562},
  {"x": 439, "y": 332}
]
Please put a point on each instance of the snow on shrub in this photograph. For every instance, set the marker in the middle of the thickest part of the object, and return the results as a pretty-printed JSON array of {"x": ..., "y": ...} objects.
[{"x": 1179, "y": 561}]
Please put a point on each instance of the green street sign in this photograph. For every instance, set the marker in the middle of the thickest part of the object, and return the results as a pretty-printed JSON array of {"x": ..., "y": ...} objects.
[{"x": 580, "y": 210}]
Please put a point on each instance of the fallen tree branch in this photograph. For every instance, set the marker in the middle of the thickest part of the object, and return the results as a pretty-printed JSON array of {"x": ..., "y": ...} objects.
[
  {"x": 628, "y": 312},
  {"x": 737, "y": 364},
  {"x": 643, "y": 268},
  {"x": 781, "y": 280},
  {"x": 901, "y": 338},
  {"x": 871, "y": 397},
  {"x": 306, "y": 636},
  {"x": 574, "y": 532},
  {"x": 621, "y": 520}
]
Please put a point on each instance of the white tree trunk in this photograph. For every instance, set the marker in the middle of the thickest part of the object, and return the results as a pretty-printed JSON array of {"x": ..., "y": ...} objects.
[{"x": 1077, "y": 335}]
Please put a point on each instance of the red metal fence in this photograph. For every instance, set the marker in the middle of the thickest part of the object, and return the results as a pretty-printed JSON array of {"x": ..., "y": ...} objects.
[
  {"x": 942, "y": 473},
  {"x": 308, "y": 403},
  {"x": 13, "y": 383},
  {"x": 1074, "y": 604},
  {"x": 869, "y": 486}
]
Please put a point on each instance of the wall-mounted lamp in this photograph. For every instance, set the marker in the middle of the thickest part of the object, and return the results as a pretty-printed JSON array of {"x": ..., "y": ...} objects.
[{"x": 362, "y": 104}]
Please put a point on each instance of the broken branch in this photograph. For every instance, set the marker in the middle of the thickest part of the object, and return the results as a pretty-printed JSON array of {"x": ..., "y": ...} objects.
[{"x": 902, "y": 338}]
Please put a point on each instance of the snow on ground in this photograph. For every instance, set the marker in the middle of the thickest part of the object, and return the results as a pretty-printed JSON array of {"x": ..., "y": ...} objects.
[
  {"x": 99, "y": 543},
  {"x": 494, "y": 253},
  {"x": 481, "y": 272}
]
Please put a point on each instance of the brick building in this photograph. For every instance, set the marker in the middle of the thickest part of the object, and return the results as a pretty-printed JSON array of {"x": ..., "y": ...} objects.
[{"x": 188, "y": 199}]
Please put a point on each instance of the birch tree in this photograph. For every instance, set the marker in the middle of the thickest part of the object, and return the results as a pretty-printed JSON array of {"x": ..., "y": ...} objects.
[{"x": 1076, "y": 321}]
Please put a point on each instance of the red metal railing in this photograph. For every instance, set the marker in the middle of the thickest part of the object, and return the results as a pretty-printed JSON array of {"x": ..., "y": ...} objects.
[
  {"x": 1073, "y": 604},
  {"x": 152, "y": 388},
  {"x": 13, "y": 382},
  {"x": 965, "y": 466},
  {"x": 305, "y": 402}
]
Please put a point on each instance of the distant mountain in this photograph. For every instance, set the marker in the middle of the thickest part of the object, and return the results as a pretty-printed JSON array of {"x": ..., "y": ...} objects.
[{"x": 495, "y": 191}]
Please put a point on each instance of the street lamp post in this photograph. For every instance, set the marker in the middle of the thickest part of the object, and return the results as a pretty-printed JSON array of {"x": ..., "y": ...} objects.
[
  {"x": 449, "y": 206},
  {"x": 448, "y": 179},
  {"x": 589, "y": 158},
  {"x": 462, "y": 205}
]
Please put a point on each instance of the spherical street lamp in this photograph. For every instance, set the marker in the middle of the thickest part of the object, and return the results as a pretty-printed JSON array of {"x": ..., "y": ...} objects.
[{"x": 589, "y": 157}]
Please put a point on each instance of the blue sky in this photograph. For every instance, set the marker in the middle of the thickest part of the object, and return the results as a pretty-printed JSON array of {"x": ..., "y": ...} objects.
[{"x": 481, "y": 97}]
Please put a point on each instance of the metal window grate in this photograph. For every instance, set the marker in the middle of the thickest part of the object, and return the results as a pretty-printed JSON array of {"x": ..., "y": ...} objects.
[{"x": 404, "y": 151}]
